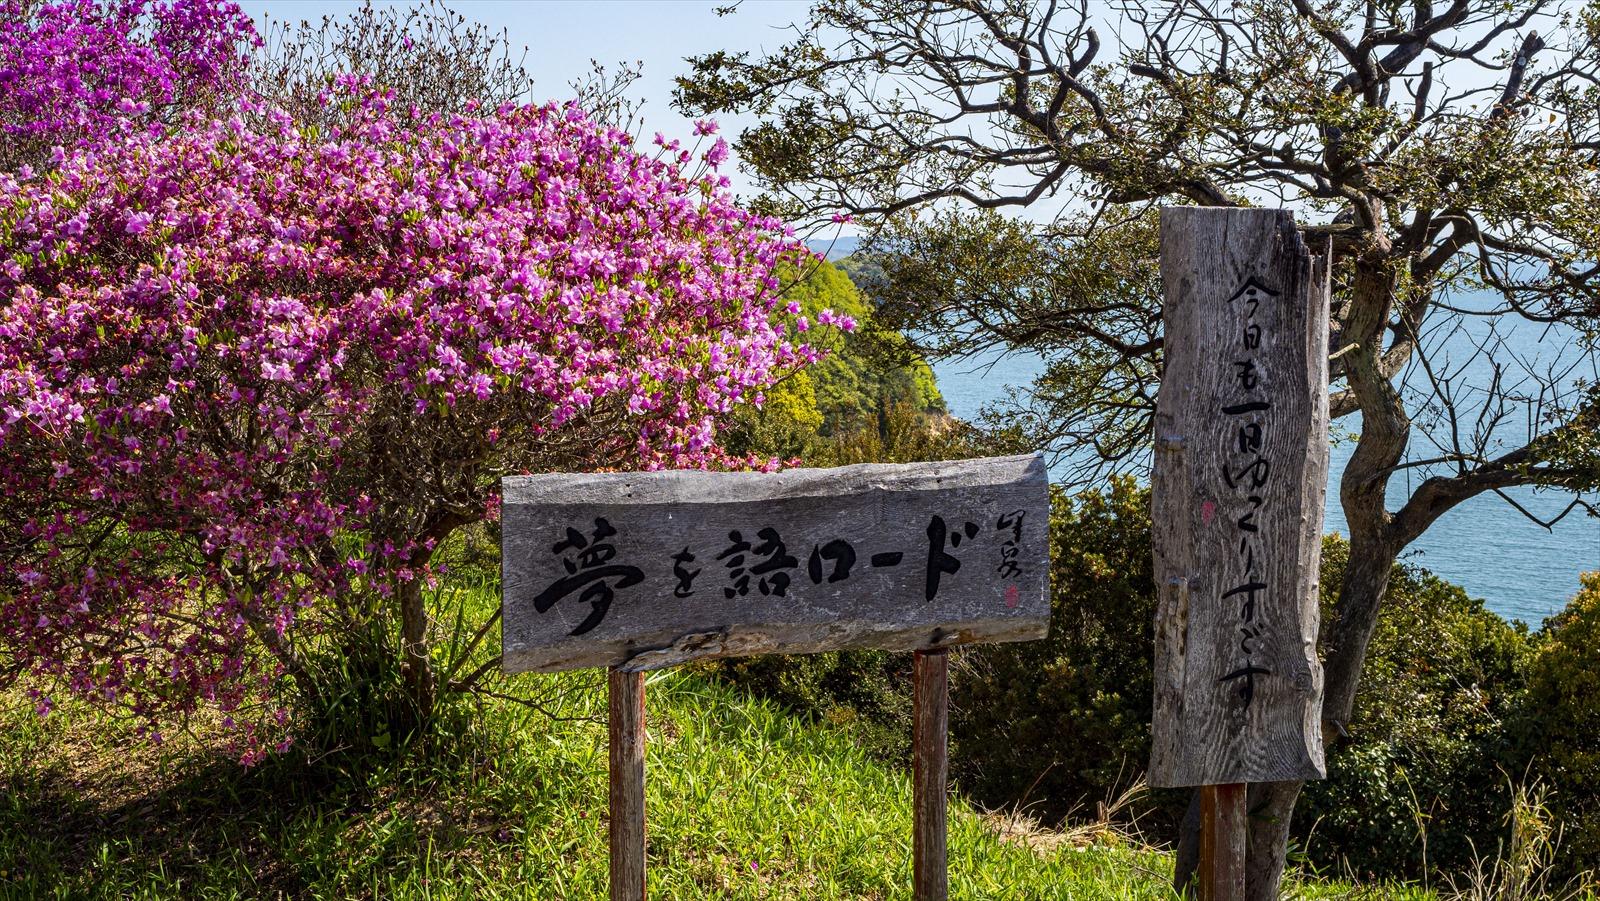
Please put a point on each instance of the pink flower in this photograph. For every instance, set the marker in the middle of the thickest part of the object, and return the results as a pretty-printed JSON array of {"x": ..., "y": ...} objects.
[
  {"x": 81, "y": 71},
  {"x": 718, "y": 154},
  {"x": 258, "y": 385}
]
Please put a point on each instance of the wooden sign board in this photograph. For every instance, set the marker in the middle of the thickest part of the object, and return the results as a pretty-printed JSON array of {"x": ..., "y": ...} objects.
[
  {"x": 643, "y": 570},
  {"x": 1241, "y": 467}
]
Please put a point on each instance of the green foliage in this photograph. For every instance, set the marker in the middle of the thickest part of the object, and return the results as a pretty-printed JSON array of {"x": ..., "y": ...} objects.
[
  {"x": 1560, "y": 723},
  {"x": 904, "y": 435},
  {"x": 1059, "y": 724},
  {"x": 1427, "y": 753},
  {"x": 864, "y": 373},
  {"x": 866, "y": 692},
  {"x": 852, "y": 389},
  {"x": 356, "y": 702}
]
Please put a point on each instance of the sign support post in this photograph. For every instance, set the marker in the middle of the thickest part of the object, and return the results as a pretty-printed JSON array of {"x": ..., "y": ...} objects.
[
  {"x": 1222, "y": 841},
  {"x": 930, "y": 770},
  {"x": 625, "y": 703}
]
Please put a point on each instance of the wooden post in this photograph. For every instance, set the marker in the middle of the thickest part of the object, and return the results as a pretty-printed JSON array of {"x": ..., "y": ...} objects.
[
  {"x": 1239, "y": 472},
  {"x": 1222, "y": 841},
  {"x": 625, "y": 692},
  {"x": 930, "y": 768}
]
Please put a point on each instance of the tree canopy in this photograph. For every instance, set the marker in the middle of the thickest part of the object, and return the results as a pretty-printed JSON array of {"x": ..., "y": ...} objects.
[
  {"x": 1006, "y": 156},
  {"x": 867, "y": 375}
]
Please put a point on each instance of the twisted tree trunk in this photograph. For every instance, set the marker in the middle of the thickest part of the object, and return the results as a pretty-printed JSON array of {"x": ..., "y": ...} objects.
[{"x": 1270, "y": 806}]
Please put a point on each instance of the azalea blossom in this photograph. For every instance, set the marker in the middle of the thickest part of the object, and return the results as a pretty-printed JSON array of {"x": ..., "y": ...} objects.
[{"x": 253, "y": 376}]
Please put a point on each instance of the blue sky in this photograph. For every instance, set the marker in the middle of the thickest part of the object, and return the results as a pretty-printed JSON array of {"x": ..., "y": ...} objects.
[{"x": 562, "y": 36}]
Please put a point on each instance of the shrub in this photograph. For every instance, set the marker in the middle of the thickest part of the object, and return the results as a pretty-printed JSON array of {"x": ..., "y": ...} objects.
[
  {"x": 1061, "y": 723},
  {"x": 83, "y": 70},
  {"x": 252, "y": 375},
  {"x": 1559, "y": 725},
  {"x": 865, "y": 692},
  {"x": 1427, "y": 765}
]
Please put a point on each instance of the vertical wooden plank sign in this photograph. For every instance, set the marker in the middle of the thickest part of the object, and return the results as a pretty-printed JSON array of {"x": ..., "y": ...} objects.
[
  {"x": 1241, "y": 466},
  {"x": 635, "y": 571}
]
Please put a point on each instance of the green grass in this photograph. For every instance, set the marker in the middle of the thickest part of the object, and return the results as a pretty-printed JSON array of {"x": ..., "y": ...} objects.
[{"x": 744, "y": 802}]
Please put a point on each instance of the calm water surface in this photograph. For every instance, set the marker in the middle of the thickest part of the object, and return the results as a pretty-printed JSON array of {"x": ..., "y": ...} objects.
[{"x": 1521, "y": 570}]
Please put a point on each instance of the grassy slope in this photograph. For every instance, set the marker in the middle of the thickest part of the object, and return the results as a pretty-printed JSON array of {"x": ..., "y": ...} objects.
[{"x": 745, "y": 802}]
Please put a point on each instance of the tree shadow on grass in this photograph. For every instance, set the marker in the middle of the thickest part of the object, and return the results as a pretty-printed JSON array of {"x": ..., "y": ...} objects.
[
  {"x": 105, "y": 834},
  {"x": 283, "y": 829}
]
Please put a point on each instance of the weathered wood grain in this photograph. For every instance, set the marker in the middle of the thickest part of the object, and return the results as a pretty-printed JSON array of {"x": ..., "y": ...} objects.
[
  {"x": 1222, "y": 842},
  {"x": 944, "y": 554},
  {"x": 1240, "y": 470},
  {"x": 930, "y": 760},
  {"x": 625, "y": 703}
]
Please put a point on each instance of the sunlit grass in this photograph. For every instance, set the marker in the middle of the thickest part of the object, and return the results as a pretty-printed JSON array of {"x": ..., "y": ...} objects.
[{"x": 744, "y": 802}]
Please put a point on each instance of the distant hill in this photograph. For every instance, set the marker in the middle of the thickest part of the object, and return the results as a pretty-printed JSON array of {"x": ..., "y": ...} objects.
[{"x": 837, "y": 248}]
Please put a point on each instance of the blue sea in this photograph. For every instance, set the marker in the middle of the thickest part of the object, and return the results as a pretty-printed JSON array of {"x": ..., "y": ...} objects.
[{"x": 1520, "y": 569}]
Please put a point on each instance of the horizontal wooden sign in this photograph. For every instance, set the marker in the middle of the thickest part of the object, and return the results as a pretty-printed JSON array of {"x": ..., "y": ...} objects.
[
  {"x": 1241, "y": 465},
  {"x": 642, "y": 570}
]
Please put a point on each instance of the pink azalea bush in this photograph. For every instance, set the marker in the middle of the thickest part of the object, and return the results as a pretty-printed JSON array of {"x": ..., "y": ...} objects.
[
  {"x": 251, "y": 376},
  {"x": 80, "y": 70}
]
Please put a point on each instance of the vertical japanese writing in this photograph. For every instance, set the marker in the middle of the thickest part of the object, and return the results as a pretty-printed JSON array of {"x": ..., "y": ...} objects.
[
  {"x": 1247, "y": 471},
  {"x": 1010, "y": 523}
]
